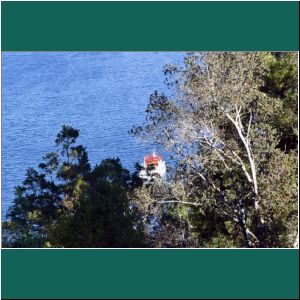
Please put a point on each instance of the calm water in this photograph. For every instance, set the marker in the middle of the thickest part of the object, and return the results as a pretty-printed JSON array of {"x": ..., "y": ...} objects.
[{"x": 101, "y": 93}]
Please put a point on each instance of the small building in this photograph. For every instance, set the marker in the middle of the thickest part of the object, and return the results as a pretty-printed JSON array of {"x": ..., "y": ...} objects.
[{"x": 153, "y": 165}]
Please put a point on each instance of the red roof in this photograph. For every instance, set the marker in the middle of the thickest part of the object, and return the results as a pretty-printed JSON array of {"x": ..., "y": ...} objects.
[{"x": 152, "y": 160}]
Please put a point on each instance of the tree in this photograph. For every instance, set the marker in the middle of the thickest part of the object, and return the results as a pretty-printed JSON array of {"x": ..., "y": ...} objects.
[
  {"x": 66, "y": 204},
  {"x": 36, "y": 205},
  {"x": 223, "y": 128},
  {"x": 282, "y": 82},
  {"x": 102, "y": 215}
]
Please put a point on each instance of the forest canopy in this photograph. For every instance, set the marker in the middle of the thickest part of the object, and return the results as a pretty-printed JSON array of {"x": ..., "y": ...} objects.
[{"x": 230, "y": 119}]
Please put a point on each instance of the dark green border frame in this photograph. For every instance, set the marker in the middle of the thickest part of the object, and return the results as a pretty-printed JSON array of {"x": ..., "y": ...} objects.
[
  {"x": 150, "y": 274},
  {"x": 150, "y": 26}
]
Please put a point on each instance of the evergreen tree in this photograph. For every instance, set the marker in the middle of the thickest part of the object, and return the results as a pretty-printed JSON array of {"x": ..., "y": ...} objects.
[
  {"x": 102, "y": 215},
  {"x": 66, "y": 204}
]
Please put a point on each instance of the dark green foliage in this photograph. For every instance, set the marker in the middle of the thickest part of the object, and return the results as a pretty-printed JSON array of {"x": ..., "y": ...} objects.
[
  {"x": 136, "y": 180},
  {"x": 66, "y": 204},
  {"x": 65, "y": 138},
  {"x": 230, "y": 119},
  {"x": 101, "y": 216},
  {"x": 282, "y": 82}
]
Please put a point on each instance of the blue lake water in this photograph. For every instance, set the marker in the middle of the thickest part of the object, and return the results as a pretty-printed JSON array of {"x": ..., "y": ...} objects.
[{"x": 101, "y": 93}]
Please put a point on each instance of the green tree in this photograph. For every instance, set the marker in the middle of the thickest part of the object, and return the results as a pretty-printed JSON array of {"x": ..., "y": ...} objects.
[
  {"x": 66, "y": 204},
  {"x": 37, "y": 203},
  {"x": 102, "y": 215},
  {"x": 282, "y": 82},
  {"x": 223, "y": 127}
]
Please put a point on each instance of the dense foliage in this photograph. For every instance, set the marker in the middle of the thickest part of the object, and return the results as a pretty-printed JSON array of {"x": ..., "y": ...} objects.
[
  {"x": 230, "y": 121},
  {"x": 66, "y": 204}
]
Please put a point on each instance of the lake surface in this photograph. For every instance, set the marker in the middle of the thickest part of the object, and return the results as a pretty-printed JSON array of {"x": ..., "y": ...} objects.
[{"x": 100, "y": 93}]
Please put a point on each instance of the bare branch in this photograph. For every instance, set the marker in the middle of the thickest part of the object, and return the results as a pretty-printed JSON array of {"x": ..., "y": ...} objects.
[
  {"x": 243, "y": 167},
  {"x": 250, "y": 158}
]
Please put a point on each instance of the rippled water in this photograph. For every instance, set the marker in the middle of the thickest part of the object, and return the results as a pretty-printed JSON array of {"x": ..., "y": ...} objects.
[{"x": 101, "y": 93}]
